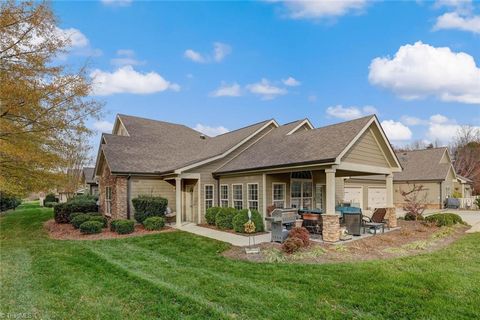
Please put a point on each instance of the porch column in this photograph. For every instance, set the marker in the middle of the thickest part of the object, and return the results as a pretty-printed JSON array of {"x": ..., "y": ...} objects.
[
  {"x": 330, "y": 192},
  {"x": 178, "y": 200},
  {"x": 389, "y": 190}
]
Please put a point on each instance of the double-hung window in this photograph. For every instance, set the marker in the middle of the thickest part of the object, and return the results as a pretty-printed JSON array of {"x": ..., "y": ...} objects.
[
  {"x": 279, "y": 195},
  {"x": 208, "y": 196},
  {"x": 108, "y": 200},
  {"x": 224, "y": 195},
  {"x": 252, "y": 196},
  {"x": 237, "y": 192},
  {"x": 301, "y": 190}
]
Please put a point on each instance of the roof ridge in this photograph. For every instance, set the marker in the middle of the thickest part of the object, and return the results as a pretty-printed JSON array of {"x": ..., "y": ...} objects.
[
  {"x": 426, "y": 149},
  {"x": 291, "y": 122},
  {"x": 241, "y": 128}
]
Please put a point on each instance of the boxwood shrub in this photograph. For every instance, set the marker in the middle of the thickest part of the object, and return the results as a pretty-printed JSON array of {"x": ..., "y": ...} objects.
[
  {"x": 62, "y": 211},
  {"x": 224, "y": 218},
  {"x": 113, "y": 225},
  {"x": 49, "y": 204},
  {"x": 79, "y": 219},
  {"x": 91, "y": 227},
  {"x": 50, "y": 198},
  {"x": 444, "y": 219},
  {"x": 148, "y": 206},
  {"x": 211, "y": 215},
  {"x": 154, "y": 223},
  {"x": 101, "y": 219},
  {"x": 124, "y": 226},
  {"x": 241, "y": 217}
]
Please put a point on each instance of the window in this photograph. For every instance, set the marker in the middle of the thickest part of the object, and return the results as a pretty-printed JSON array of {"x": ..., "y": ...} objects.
[
  {"x": 279, "y": 195},
  {"x": 319, "y": 191},
  {"x": 224, "y": 195},
  {"x": 208, "y": 196},
  {"x": 301, "y": 191},
  {"x": 252, "y": 196},
  {"x": 108, "y": 200},
  {"x": 237, "y": 196}
]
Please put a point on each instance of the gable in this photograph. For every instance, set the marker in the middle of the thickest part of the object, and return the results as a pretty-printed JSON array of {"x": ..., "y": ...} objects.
[
  {"x": 445, "y": 158},
  {"x": 369, "y": 150}
]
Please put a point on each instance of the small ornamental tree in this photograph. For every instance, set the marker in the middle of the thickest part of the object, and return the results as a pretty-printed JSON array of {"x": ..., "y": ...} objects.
[{"x": 415, "y": 200}]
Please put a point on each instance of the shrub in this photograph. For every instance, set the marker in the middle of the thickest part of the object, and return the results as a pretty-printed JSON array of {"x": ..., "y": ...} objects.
[
  {"x": 50, "y": 198},
  {"x": 91, "y": 227},
  {"x": 101, "y": 219},
  {"x": 444, "y": 219},
  {"x": 8, "y": 202},
  {"x": 241, "y": 217},
  {"x": 85, "y": 197},
  {"x": 211, "y": 214},
  {"x": 62, "y": 211},
  {"x": 224, "y": 218},
  {"x": 292, "y": 245},
  {"x": 61, "y": 214},
  {"x": 412, "y": 217},
  {"x": 148, "y": 206},
  {"x": 79, "y": 219},
  {"x": 49, "y": 204},
  {"x": 154, "y": 223},
  {"x": 300, "y": 233},
  {"x": 124, "y": 226},
  {"x": 113, "y": 225}
]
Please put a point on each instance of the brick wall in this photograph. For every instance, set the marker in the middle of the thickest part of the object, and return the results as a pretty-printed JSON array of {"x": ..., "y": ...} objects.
[{"x": 119, "y": 193}]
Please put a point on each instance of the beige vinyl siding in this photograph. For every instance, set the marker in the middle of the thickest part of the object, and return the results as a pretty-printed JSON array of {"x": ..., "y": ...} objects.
[
  {"x": 432, "y": 192},
  {"x": 448, "y": 184},
  {"x": 154, "y": 187},
  {"x": 244, "y": 180},
  {"x": 367, "y": 151}
]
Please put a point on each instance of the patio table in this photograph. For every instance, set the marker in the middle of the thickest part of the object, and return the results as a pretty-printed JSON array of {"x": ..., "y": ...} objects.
[{"x": 374, "y": 225}]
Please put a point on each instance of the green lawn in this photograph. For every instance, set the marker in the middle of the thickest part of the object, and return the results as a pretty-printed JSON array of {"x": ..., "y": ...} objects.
[{"x": 178, "y": 275}]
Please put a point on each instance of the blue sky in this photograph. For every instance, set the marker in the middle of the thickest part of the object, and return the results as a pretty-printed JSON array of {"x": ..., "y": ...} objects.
[{"x": 218, "y": 66}]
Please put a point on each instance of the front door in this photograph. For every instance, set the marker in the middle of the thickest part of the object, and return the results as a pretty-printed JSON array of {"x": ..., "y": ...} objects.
[{"x": 189, "y": 203}]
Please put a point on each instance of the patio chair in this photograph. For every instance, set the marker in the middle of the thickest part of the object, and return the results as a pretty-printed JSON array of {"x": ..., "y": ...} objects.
[{"x": 376, "y": 221}]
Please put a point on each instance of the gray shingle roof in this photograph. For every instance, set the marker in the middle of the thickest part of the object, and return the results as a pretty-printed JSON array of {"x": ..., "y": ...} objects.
[
  {"x": 278, "y": 149},
  {"x": 88, "y": 172},
  {"x": 422, "y": 165},
  {"x": 158, "y": 147}
]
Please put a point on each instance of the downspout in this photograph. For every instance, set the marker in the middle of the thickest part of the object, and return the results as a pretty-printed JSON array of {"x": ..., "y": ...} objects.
[
  {"x": 441, "y": 195},
  {"x": 128, "y": 196}
]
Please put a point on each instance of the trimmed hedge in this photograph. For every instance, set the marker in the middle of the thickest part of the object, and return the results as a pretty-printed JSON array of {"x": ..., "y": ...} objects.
[
  {"x": 91, "y": 227},
  {"x": 8, "y": 202},
  {"x": 148, "y": 206},
  {"x": 154, "y": 223},
  {"x": 113, "y": 225},
  {"x": 62, "y": 211},
  {"x": 444, "y": 219},
  {"x": 80, "y": 219},
  {"x": 211, "y": 215},
  {"x": 224, "y": 218},
  {"x": 241, "y": 217},
  {"x": 49, "y": 204},
  {"x": 124, "y": 226},
  {"x": 101, "y": 219},
  {"x": 50, "y": 198}
]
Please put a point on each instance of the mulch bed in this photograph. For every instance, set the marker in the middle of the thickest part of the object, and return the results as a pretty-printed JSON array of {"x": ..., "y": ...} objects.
[
  {"x": 204, "y": 225},
  {"x": 413, "y": 237},
  {"x": 60, "y": 231}
]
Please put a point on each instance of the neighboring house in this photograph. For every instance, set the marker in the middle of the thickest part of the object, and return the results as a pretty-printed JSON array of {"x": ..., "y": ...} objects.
[
  {"x": 431, "y": 168},
  {"x": 463, "y": 187},
  {"x": 290, "y": 165},
  {"x": 89, "y": 181}
]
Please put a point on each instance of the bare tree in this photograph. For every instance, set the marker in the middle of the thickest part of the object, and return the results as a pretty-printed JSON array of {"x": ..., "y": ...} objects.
[
  {"x": 415, "y": 202},
  {"x": 78, "y": 156},
  {"x": 465, "y": 150}
]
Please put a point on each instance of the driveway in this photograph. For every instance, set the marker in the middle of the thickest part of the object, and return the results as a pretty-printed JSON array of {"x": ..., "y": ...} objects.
[{"x": 472, "y": 217}]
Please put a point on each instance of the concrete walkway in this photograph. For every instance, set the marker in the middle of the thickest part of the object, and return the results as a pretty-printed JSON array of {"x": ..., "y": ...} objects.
[
  {"x": 472, "y": 217},
  {"x": 235, "y": 239}
]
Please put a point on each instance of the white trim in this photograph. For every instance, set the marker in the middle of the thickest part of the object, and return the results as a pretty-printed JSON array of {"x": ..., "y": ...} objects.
[
  {"x": 379, "y": 146},
  {"x": 233, "y": 194},
  {"x": 258, "y": 195},
  {"x": 321, "y": 166},
  {"x": 193, "y": 165},
  {"x": 115, "y": 127},
  {"x": 284, "y": 193},
  {"x": 190, "y": 176},
  {"x": 364, "y": 168},
  {"x": 199, "y": 201},
  {"x": 205, "y": 195},
  {"x": 264, "y": 195},
  {"x": 304, "y": 122},
  {"x": 228, "y": 195},
  {"x": 301, "y": 190}
]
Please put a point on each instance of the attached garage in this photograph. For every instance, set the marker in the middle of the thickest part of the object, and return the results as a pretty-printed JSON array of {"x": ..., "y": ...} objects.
[
  {"x": 353, "y": 195},
  {"x": 377, "y": 198}
]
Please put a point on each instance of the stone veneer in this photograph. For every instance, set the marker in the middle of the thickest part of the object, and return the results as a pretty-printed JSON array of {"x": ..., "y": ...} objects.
[
  {"x": 391, "y": 217},
  {"x": 331, "y": 227},
  {"x": 119, "y": 193}
]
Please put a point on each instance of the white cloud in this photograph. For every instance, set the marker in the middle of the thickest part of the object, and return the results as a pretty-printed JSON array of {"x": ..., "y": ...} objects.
[
  {"x": 420, "y": 70},
  {"x": 76, "y": 38},
  {"x": 194, "y": 56},
  {"x": 291, "y": 82},
  {"x": 396, "y": 131},
  {"x": 210, "y": 131},
  {"x": 117, "y": 3},
  {"x": 413, "y": 121},
  {"x": 220, "y": 51},
  {"x": 455, "y": 20},
  {"x": 266, "y": 90},
  {"x": 127, "y": 80},
  {"x": 225, "y": 90},
  {"x": 126, "y": 57},
  {"x": 103, "y": 126},
  {"x": 308, "y": 9},
  {"x": 438, "y": 118},
  {"x": 349, "y": 113}
]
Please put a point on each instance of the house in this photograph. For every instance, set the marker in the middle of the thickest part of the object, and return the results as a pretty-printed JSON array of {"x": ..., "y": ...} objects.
[
  {"x": 463, "y": 187},
  {"x": 290, "y": 165},
  {"x": 89, "y": 181},
  {"x": 431, "y": 168}
]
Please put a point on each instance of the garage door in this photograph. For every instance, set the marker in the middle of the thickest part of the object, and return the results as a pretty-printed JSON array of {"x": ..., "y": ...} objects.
[
  {"x": 377, "y": 198},
  {"x": 353, "y": 195}
]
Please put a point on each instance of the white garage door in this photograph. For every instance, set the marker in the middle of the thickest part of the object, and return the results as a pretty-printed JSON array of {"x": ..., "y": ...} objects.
[
  {"x": 377, "y": 198},
  {"x": 354, "y": 196}
]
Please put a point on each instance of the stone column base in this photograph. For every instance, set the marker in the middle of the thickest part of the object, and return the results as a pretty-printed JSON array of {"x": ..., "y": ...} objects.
[
  {"x": 391, "y": 218},
  {"x": 331, "y": 227}
]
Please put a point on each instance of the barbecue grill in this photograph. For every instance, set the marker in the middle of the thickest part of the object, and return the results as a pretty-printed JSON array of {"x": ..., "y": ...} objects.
[{"x": 282, "y": 221}]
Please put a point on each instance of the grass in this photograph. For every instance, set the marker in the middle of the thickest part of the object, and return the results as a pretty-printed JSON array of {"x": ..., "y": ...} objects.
[{"x": 181, "y": 276}]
